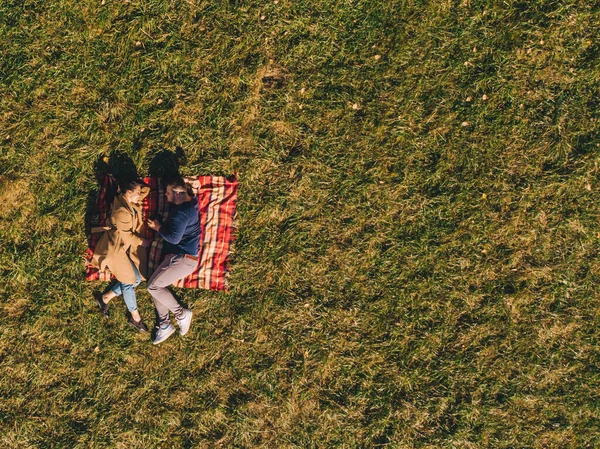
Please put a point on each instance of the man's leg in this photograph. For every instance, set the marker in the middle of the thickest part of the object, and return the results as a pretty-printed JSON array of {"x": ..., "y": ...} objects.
[{"x": 173, "y": 268}]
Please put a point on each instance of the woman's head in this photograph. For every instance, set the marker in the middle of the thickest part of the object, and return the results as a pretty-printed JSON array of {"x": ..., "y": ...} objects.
[
  {"x": 178, "y": 191},
  {"x": 132, "y": 190}
]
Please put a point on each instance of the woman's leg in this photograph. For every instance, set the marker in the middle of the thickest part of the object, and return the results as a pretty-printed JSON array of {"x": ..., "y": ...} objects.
[
  {"x": 112, "y": 293},
  {"x": 129, "y": 294}
]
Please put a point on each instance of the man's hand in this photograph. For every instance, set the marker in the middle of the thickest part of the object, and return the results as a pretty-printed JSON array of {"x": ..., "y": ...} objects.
[{"x": 154, "y": 225}]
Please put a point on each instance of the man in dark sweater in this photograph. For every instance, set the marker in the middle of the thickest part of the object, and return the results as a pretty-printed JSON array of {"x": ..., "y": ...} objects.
[{"x": 181, "y": 233}]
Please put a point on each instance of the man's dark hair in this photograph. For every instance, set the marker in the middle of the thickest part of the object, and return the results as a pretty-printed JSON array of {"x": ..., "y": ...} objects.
[{"x": 178, "y": 182}]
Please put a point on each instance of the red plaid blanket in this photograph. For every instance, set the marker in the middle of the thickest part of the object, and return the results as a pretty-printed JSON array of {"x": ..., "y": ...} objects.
[{"x": 217, "y": 198}]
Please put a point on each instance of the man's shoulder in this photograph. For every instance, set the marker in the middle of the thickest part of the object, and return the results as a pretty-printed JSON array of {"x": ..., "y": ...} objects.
[
  {"x": 189, "y": 208},
  {"x": 192, "y": 205}
]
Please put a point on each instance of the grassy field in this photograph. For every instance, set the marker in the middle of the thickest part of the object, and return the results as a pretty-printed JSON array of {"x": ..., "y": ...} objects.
[{"x": 417, "y": 253}]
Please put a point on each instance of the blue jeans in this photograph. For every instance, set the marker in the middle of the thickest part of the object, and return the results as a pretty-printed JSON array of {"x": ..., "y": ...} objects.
[{"x": 128, "y": 290}]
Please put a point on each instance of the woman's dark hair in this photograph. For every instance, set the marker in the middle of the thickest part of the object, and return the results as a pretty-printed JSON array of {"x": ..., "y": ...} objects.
[
  {"x": 178, "y": 182},
  {"x": 128, "y": 185}
]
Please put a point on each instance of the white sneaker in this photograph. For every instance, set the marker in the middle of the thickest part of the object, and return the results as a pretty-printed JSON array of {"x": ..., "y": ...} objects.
[
  {"x": 163, "y": 333},
  {"x": 184, "y": 323}
]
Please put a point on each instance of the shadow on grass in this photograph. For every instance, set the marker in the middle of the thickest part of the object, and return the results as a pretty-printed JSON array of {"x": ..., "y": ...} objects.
[{"x": 165, "y": 164}]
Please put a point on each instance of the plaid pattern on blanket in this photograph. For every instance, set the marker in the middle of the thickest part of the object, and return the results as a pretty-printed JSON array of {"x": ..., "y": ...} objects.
[{"x": 217, "y": 198}]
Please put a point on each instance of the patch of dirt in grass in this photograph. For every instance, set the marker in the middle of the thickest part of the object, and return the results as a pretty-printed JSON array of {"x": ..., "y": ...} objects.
[
  {"x": 16, "y": 307},
  {"x": 16, "y": 196}
]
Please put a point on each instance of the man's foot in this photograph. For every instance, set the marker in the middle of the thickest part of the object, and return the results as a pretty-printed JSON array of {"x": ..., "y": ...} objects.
[
  {"x": 103, "y": 306},
  {"x": 139, "y": 325},
  {"x": 184, "y": 323},
  {"x": 163, "y": 333}
]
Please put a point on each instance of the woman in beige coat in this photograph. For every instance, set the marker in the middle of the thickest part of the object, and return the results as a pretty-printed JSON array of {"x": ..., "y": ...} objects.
[{"x": 122, "y": 249}]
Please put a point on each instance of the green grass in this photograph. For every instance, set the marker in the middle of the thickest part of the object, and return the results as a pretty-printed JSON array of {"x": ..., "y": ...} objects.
[{"x": 417, "y": 254}]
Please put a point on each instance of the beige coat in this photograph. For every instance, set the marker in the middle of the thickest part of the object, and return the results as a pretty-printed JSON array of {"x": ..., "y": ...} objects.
[{"x": 121, "y": 244}]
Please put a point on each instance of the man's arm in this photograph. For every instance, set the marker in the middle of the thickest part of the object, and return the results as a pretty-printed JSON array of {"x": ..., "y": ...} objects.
[{"x": 172, "y": 231}]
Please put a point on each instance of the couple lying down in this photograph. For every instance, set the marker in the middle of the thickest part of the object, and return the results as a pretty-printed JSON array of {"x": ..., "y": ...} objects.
[{"x": 123, "y": 249}]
